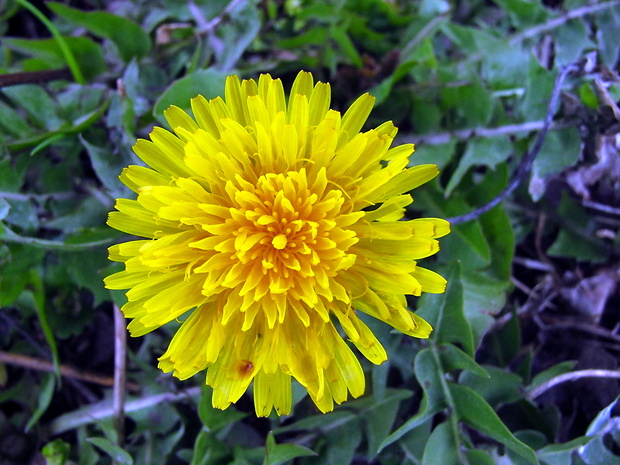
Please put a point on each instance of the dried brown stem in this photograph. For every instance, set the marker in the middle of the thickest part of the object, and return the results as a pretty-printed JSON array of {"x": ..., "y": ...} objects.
[
  {"x": 32, "y": 77},
  {"x": 37, "y": 364}
]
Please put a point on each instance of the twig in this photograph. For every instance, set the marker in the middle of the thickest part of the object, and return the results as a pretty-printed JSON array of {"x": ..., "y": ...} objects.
[
  {"x": 11, "y": 236},
  {"x": 466, "y": 134},
  {"x": 120, "y": 374},
  {"x": 95, "y": 412},
  {"x": 208, "y": 26},
  {"x": 572, "y": 376},
  {"x": 532, "y": 264},
  {"x": 601, "y": 207},
  {"x": 556, "y": 22},
  {"x": 41, "y": 197},
  {"x": 32, "y": 77},
  {"x": 43, "y": 365},
  {"x": 526, "y": 163}
]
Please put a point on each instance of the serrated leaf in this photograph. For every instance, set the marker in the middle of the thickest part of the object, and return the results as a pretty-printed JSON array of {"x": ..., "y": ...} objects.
[
  {"x": 118, "y": 454},
  {"x": 209, "y": 83},
  {"x": 276, "y": 454},
  {"x": 477, "y": 413},
  {"x": 442, "y": 439},
  {"x": 130, "y": 39},
  {"x": 445, "y": 312}
]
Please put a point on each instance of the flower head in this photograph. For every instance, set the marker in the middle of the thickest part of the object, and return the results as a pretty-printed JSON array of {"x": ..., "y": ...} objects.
[{"x": 271, "y": 220}]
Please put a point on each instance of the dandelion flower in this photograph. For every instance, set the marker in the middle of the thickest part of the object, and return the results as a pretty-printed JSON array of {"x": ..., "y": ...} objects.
[{"x": 271, "y": 222}]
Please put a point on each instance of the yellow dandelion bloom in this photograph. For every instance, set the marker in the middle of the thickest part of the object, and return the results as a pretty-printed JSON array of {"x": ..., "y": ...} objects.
[{"x": 271, "y": 220}]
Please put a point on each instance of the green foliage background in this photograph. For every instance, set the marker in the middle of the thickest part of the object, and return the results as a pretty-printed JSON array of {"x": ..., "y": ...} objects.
[{"x": 468, "y": 81}]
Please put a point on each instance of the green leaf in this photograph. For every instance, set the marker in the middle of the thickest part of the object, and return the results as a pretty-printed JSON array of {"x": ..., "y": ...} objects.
[
  {"x": 440, "y": 154},
  {"x": 466, "y": 241},
  {"x": 453, "y": 358},
  {"x": 237, "y": 33},
  {"x": 601, "y": 424},
  {"x": 107, "y": 165},
  {"x": 45, "y": 398},
  {"x": 427, "y": 373},
  {"x": 87, "y": 53},
  {"x": 209, "y": 83},
  {"x": 324, "y": 422},
  {"x": 216, "y": 419},
  {"x": 577, "y": 239},
  {"x": 468, "y": 105},
  {"x": 556, "y": 370},
  {"x": 479, "y": 457},
  {"x": 38, "y": 300},
  {"x": 346, "y": 45},
  {"x": 56, "y": 452},
  {"x": 208, "y": 449},
  {"x": 483, "y": 297},
  {"x": 344, "y": 441},
  {"x": 4, "y": 208},
  {"x": 477, "y": 413},
  {"x": 37, "y": 103},
  {"x": 380, "y": 416},
  {"x": 560, "y": 150},
  {"x": 571, "y": 39},
  {"x": 524, "y": 13},
  {"x": 276, "y": 454},
  {"x": 441, "y": 448},
  {"x": 499, "y": 387},
  {"x": 445, "y": 312},
  {"x": 130, "y": 39},
  {"x": 561, "y": 454},
  {"x": 596, "y": 452},
  {"x": 12, "y": 123},
  {"x": 118, "y": 454},
  {"x": 488, "y": 151}
]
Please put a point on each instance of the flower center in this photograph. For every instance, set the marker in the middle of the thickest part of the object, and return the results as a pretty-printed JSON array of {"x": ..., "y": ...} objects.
[{"x": 286, "y": 230}]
